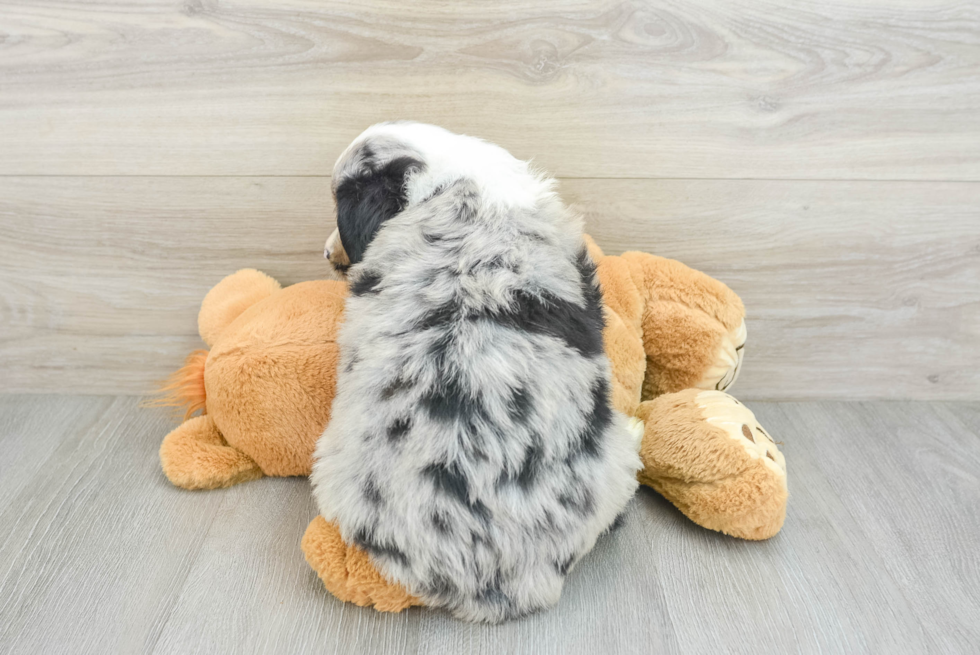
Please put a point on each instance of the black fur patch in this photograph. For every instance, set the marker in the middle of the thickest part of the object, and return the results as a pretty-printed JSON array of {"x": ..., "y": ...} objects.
[
  {"x": 582, "y": 503},
  {"x": 441, "y": 523},
  {"x": 565, "y": 565},
  {"x": 398, "y": 385},
  {"x": 398, "y": 429},
  {"x": 596, "y": 423},
  {"x": 547, "y": 314},
  {"x": 590, "y": 289},
  {"x": 450, "y": 401},
  {"x": 520, "y": 406},
  {"x": 449, "y": 479},
  {"x": 617, "y": 523},
  {"x": 441, "y": 316},
  {"x": 530, "y": 468},
  {"x": 373, "y": 493},
  {"x": 366, "y": 282},
  {"x": 365, "y": 540},
  {"x": 527, "y": 475},
  {"x": 365, "y": 201},
  {"x": 492, "y": 592},
  {"x": 580, "y": 328},
  {"x": 481, "y": 511},
  {"x": 441, "y": 587}
]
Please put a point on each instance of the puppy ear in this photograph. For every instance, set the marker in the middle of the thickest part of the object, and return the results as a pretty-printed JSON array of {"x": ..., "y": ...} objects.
[{"x": 369, "y": 198}]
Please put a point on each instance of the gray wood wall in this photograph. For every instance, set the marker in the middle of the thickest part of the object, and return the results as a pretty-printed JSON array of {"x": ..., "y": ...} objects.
[{"x": 823, "y": 160}]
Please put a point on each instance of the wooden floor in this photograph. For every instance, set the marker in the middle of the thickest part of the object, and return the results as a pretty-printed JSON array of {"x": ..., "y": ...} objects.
[{"x": 100, "y": 554}]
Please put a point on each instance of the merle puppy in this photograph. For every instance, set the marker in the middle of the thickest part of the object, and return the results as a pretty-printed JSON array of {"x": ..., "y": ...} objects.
[{"x": 472, "y": 451}]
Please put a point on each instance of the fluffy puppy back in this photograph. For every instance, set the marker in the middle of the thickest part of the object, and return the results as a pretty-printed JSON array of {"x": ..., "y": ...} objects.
[{"x": 473, "y": 451}]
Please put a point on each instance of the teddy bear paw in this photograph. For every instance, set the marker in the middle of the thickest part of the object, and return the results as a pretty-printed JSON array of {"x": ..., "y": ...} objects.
[
  {"x": 707, "y": 454},
  {"x": 740, "y": 424},
  {"x": 724, "y": 370}
]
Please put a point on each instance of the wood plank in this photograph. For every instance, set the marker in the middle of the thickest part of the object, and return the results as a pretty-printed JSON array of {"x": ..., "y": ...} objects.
[
  {"x": 877, "y": 554},
  {"x": 966, "y": 415},
  {"x": 689, "y": 88},
  {"x": 97, "y": 546},
  {"x": 901, "y": 481},
  {"x": 251, "y": 586},
  {"x": 31, "y": 428},
  {"x": 102, "y": 278},
  {"x": 854, "y": 289}
]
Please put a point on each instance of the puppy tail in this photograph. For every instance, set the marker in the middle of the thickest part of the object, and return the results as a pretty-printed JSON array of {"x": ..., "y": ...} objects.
[{"x": 184, "y": 389}]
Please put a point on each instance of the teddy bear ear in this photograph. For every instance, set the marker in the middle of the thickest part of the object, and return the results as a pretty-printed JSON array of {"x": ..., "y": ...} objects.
[
  {"x": 368, "y": 198},
  {"x": 229, "y": 298}
]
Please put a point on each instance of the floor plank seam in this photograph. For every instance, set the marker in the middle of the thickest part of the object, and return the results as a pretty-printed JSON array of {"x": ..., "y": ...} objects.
[{"x": 179, "y": 591}]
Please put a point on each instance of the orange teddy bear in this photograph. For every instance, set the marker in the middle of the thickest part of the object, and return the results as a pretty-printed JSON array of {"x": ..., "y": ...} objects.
[{"x": 674, "y": 337}]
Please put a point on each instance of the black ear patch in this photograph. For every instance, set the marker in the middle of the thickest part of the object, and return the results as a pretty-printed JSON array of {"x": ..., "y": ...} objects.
[{"x": 365, "y": 201}]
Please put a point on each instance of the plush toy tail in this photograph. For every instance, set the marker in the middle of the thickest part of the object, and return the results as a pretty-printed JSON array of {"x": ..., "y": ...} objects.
[{"x": 184, "y": 389}]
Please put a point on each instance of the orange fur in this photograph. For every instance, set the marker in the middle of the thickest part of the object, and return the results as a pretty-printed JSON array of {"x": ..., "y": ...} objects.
[
  {"x": 348, "y": 573},
  {"x": 184, "y": 389},
  {"x": 271, "y": 376},
  {"x": 196, "y": 456}
]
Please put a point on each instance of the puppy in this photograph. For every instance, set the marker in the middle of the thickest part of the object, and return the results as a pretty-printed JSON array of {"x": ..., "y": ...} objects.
[{"x": 472, "y": 450}]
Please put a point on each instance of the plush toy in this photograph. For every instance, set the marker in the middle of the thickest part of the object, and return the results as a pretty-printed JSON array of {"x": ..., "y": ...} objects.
[{"x": 674, "y": 337}]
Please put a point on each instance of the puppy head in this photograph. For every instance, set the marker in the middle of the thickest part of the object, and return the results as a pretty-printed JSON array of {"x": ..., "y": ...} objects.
[{"x": 391, "y": 167}]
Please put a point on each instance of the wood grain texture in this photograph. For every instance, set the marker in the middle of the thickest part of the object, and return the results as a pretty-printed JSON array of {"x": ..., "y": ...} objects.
[
  {"x": 98, "y": 543},
  {"x": 854, "y": 289},
  {"x": 100, "y": 554},
  {"x": 102, "y": 278},
  {"x": 689, "y": 88}
]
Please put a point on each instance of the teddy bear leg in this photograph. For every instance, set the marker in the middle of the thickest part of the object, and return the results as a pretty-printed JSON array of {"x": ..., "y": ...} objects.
[
  {"x": 726, "y": 363},
  {"x": 688, "y": 349},
  {"x": 348, "y": 573},
  {"x": 196, "y": 456},
  {"x": 705, "y": 452},
  {"x": 692, "y": 326}
]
